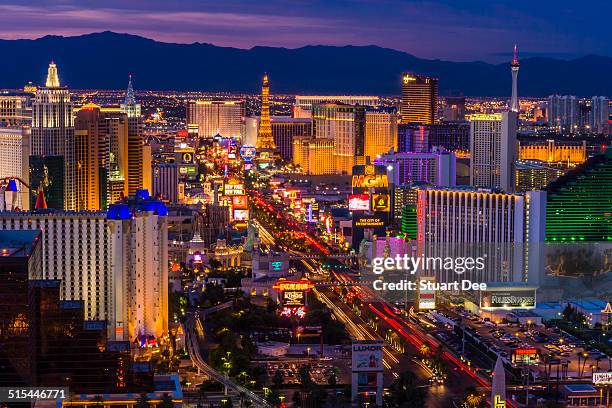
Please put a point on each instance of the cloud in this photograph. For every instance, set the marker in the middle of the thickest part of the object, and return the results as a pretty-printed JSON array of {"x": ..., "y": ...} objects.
[{"x": 466, "y": 30}]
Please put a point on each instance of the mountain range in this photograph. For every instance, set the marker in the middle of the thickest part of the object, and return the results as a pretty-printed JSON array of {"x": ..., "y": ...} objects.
[{"x": 104, "y": 60}]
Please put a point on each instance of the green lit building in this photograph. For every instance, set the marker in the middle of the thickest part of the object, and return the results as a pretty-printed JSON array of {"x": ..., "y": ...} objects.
[
  {"x": 409, "y": 220},
  {"x": 580, "y": 203}
]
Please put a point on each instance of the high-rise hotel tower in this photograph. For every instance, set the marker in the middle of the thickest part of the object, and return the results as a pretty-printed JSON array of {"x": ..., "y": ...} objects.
[
  {"x": 53, "y": 132},
  {"x": 493, "y": 150},
  {"x": 419, "y": 99}
]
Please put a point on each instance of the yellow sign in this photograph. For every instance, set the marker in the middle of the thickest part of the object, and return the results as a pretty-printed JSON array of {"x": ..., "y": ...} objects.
[
  {"x": 284, "y": 285},
  {"x": 381, "y": 203},
  {"x": 498, "y": 402},
  {"x": 369, "y": 222},
  {"x": 370, "y": 181},
  {"x": 407, "y": 78}
]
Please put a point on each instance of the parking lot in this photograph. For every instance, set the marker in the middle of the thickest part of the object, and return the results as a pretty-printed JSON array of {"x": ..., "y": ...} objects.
[
  {"x": 502, "y": 339},
  {"x": 320, "y": 370}
]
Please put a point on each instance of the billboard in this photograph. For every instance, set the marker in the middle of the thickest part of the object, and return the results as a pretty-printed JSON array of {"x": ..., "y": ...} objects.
[
  {"x": 508, "y": 298},
  {"x": 241, "y": 215},
  {"x": 359, "y": 202},
  {"x": 239, "y": 202},
  {"x": 233, "y": 187},
  {"x": 381, "y": 203},
  {"x": 524, "y": 355},
  {"x": 293, "y": 298},
  {"x": 427, "y": 297},
  {"x": 602, "y": 378},
  {"x": 248, "y": 152},
  {"x": 367, "y": 355},
  {"x": 369, "y": 176}
]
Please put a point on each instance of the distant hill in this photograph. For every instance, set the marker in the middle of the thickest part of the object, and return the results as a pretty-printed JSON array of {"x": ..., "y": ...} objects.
[{"x": 103, "y": 61}]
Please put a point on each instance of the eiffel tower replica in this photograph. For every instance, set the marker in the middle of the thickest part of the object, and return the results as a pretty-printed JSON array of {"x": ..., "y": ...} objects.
[{"x": 266, "y": 148}]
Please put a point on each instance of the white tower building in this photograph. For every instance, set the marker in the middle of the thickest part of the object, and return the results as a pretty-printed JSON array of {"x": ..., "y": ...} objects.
[
  {"x": 514, "y": 66},
  {"x": 493, "y": 150}
]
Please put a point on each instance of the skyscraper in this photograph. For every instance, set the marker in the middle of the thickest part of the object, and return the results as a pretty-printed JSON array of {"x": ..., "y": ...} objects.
[
  {"x": 211, "y": 118},
  {"x": 493, "y": 150},
  {"x": 345, "y": 124},
  {"x": 380, "y": 131},
  {"x": 563, "y": 113},
  {"x": 600, "y": 113},
  {"x": 265, "y": 141},
  {"x": 102, "y": 156},
  {"x": 474, "y": 221},
  {"x": 135, "y": 140},
  {"x": 514, "y": 66},
  {"x": 419, "y": 99},
  {"x": 53, "y": 130}
]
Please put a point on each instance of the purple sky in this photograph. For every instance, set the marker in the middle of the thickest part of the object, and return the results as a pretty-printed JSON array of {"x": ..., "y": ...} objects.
[{"x": 446, "y": 29}]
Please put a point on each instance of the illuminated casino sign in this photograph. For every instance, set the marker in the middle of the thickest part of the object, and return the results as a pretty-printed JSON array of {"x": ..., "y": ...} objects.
[
  {"x": 187, "y": 157},
  {"x": 369, "y": 176},
  {"x": 302, "y": 285},
  {"x": 359, "y": 202},
  {"x": 233, "y": 188},
  {"x": 602, "y": 378},
  {"x": 508, "y": 298},
  {"x": 293, "y": 298},
  {"x": 248, "y": 152},
  {"x": 372, "y": 181},
  {"x": 524, "y": 355},
  {"x": 407, "y": 78},
  {"x": 240, "y": 202},
  {"x": 381, "y": 203}
]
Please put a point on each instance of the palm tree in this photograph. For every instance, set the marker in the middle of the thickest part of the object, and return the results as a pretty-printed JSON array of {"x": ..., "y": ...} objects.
[{"x": 424, "y": 350}]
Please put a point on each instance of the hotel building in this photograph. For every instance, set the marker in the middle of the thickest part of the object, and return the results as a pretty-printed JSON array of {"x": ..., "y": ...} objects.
[
  {"x": 314, "y": 156},
  {"x": 459, "y": 222},
  {"x": 53, "y": 130},
  {"x": 303, "y": 104},
  {"x": 493, "y": 150},
  {"x": 380, "y": 131},
  {"x": 15, "y": 162},
  {"x": 564, "y": 153},
  {"x": 345, "y": 125},
  {"x": 436, "y": 168},
  {"x": 15, "y": 109},
  {"x": 225, "y": 118},
  {"x": 419, "y": 99},
  {"x": 115, "y": 262}
]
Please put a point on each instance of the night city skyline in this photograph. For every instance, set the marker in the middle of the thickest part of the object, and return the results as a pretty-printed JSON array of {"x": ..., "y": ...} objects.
[{"x": 292, "y": 225}]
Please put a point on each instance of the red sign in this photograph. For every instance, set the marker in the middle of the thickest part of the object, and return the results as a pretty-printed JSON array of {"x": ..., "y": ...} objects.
[
  {"x": 359, "y": 202},
  {"x": 526, "y": 352}
]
